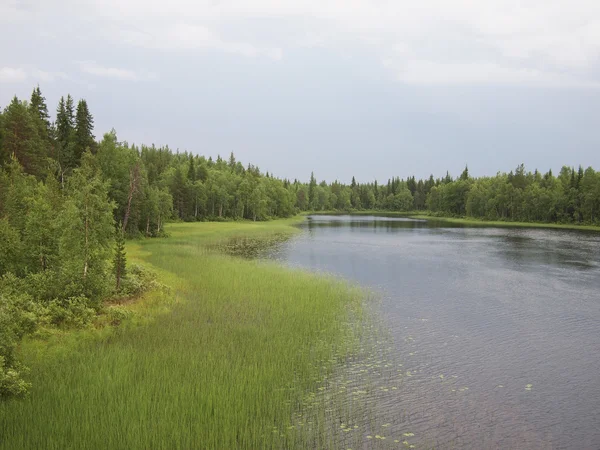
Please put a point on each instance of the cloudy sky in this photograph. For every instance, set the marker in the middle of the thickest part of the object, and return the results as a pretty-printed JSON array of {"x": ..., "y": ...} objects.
[{"x": 371, "y": 88}]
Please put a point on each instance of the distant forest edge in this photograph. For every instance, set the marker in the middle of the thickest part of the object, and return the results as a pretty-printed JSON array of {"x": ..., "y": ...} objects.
[
  {"x": 148, "y": 185},
  {"x": 67, "y": 201}
]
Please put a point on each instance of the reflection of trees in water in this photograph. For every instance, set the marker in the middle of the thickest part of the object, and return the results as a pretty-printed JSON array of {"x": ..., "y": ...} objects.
[
  {"x": 520, "y": 247},
  {"x": 550, "y": 248},
  {"x": 390, "y": 224}
]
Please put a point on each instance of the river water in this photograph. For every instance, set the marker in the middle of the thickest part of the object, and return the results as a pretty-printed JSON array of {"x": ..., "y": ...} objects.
[{"x": 496, "y": 331}]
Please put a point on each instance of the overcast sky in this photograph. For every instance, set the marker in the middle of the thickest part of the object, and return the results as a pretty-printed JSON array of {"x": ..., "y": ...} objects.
[{"x": 371, "y": 88}]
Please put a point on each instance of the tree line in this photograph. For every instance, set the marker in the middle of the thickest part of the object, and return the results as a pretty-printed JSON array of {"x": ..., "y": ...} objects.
[{"x": 571, "y": 197}]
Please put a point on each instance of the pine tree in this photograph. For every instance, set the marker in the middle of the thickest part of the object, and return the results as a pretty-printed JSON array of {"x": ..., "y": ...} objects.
[
  {"x": 84, "y": 126},
  {"x": 119, "y": 260},
  {"x": 21, "y": 140}
]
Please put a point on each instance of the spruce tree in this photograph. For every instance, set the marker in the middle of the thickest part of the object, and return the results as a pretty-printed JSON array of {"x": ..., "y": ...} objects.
[
  {"x": 21, "y": 140},
  {"x": 64, "y": 135},
  {"x": 39, "y": 109},
  {"x": 119, "y": 260},
  {"x": 84, "y": 126},
  {"x": 311, "y": 189}
]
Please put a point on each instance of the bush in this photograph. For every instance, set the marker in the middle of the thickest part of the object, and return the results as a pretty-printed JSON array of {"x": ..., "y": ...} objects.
[
  {"x": 138, "y": 281},
  {"x": 18, "y": 316},
  {"x": 11, "y": 383},
  {"x": 73, "y": 312},
  {"x": 117, "y": 314}
]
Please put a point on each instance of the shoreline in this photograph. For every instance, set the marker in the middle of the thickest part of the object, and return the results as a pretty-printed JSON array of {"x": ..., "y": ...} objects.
[{"x": 461, "y": 221}]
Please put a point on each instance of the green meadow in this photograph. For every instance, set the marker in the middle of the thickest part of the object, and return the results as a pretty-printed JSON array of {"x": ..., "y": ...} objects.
[{"x": 231, "y": 355}]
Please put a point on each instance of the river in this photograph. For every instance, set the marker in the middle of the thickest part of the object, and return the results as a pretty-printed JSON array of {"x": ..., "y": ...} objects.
[{"x": 496, "y": 330}]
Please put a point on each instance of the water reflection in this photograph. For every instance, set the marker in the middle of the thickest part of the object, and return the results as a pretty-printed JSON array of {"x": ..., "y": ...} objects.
[{"x": 498, "y": 328}]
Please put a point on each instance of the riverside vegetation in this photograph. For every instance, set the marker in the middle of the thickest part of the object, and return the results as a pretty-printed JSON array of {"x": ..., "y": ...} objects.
[{"x": 230, "y": 365}]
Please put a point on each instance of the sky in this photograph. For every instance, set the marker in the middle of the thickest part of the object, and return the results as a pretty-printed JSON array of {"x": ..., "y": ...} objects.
[{"x": 365, "y": 88}]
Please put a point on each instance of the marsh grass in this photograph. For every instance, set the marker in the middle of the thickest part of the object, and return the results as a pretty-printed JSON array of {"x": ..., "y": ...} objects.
[{"x": 227, "y": 358}]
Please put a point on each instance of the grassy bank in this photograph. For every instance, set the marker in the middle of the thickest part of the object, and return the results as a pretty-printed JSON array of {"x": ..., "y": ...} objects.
[
  {"x": 501, "y": 223},
  {"x": 230, "y": 366}
]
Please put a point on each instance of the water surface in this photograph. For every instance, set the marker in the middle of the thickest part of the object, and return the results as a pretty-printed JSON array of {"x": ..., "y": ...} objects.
[{"x": 496, "y": 330}]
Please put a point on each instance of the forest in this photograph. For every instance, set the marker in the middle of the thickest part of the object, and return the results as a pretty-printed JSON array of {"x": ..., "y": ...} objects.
[{"x": 68, "y": 200}]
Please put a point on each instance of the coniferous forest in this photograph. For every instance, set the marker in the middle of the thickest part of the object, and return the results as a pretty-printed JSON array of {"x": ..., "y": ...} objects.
[{"x": 69, "y": 198}]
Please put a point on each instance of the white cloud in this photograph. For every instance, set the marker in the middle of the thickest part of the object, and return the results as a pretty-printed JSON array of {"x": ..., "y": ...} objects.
[
  {"x": 424, "y": 72},
  {"x": 20, "y": 74},
  {"x": 519, "y": 41},
  {"x": 12, "y": 75},
  {"x": 514, "y": 41},
  {"x": 45, "y": 76},
  {"x": 93, "y": 68},
  {"x": 184, "y": 36}
]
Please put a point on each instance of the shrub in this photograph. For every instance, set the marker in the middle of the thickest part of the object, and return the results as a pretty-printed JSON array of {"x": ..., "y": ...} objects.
[
  {"x": 11, "y": 383},
  {"x": 117, "y": 314},
  {"x": 18, "y": 316},
  {"x": 73, "y": 312},
  {"x": 138, "y": 281}
]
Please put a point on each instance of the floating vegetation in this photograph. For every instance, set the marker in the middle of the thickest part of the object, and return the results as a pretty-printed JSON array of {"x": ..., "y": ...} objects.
[{"x": 249, "y": 247}]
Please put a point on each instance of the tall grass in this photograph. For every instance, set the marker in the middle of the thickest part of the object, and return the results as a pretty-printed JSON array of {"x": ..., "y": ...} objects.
[{"x": 230, "y": 367}]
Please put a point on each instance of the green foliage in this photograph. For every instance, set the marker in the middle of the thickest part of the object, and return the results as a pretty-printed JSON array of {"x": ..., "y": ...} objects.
[
  {"x": 117, "y": 314},
  {"x": 21, "y": 138},
  {"x": 18, "y": 316},
  {"x": 84, "y": 126},
  {"x": 72, "y": 312},
  {"x": 139, "y": 280},
  {"x": 120, "y": 259},
  {"x": 10, "y": 248},
  {"x": 87, "y": 226},
  {"x": 11, "y": 382}
]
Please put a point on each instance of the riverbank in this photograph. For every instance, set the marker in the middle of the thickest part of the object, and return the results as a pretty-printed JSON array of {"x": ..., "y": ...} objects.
[
  {"x": 505, "y": 224},
  {"x": 461, "y": 221},
  {"x": 232, "y": 357}
]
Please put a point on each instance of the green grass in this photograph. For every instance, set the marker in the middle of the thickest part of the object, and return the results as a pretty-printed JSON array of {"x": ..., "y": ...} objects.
[
  {"x": 230, "y": 366},
  {"x": 501, "y": 223}
]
